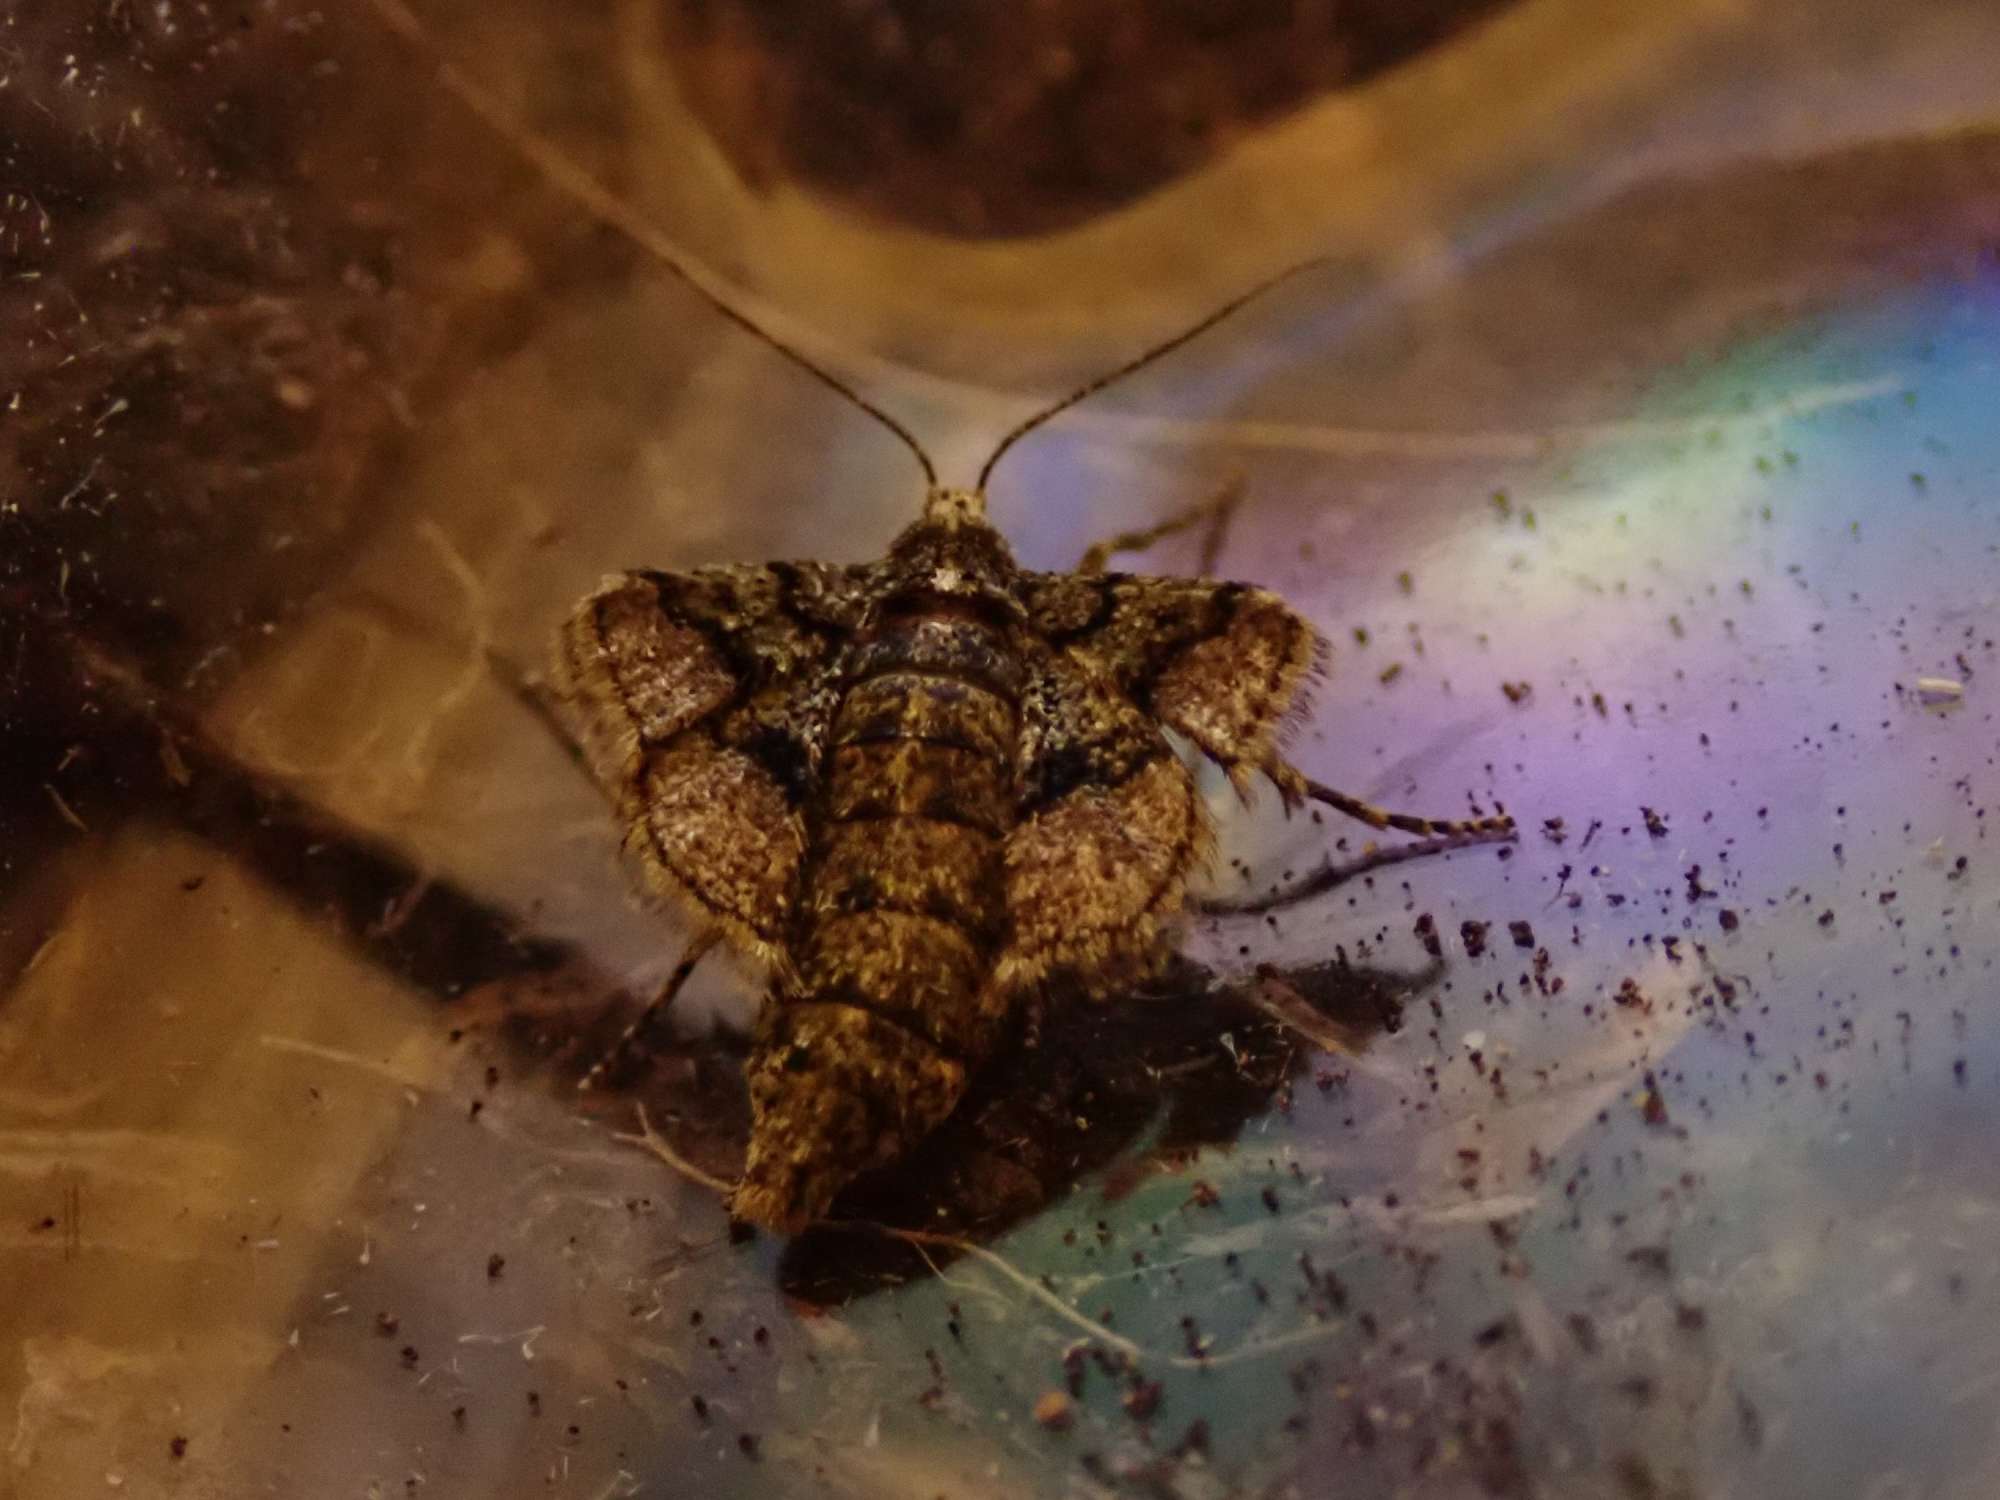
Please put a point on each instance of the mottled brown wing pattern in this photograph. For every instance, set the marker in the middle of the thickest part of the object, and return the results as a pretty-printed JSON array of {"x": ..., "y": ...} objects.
[
  {"x": 702, "y": 701},
  {"x": 1225, "y": 664},
  {"x": 1110, "y": 825},
  {"x": 918, "y": 791}
]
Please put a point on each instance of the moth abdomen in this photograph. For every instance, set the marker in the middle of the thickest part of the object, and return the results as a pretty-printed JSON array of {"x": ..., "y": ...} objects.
[
  {"x": 886, "y": 779},
  {"x": 890, "y": 1006}
]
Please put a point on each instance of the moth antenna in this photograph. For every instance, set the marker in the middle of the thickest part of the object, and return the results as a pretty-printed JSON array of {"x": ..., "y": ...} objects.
[
  {"x": 578, "y": 184},
  {"x": 1138, "y": 361}
]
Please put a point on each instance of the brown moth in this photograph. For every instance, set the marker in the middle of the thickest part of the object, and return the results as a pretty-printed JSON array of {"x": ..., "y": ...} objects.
[
  {"x": 916, "y": 792},
  {"x": 913, "y": 791}
]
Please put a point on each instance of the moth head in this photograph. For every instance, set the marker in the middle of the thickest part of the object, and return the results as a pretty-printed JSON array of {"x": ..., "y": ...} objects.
[
  {"x": 951, "y": 553},
  {"x": 953, "y": 508}
]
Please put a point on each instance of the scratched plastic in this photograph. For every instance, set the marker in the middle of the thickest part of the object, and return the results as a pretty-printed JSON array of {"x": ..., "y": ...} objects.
[{"x": 1636, "y": 452}]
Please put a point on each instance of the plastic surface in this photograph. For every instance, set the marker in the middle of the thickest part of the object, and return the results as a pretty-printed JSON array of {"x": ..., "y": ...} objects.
[{"x": 1651, "y": 489}]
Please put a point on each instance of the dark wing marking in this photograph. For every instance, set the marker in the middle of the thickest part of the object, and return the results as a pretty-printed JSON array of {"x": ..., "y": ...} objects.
[
  {"x": 1110, "y": 826},
  {"x": 1225, "y": 664},
  {"x": 702, "y": 701}
]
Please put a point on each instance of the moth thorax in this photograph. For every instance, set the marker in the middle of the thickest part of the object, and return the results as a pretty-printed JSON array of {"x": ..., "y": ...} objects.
[{"x": 955, "y": 507}]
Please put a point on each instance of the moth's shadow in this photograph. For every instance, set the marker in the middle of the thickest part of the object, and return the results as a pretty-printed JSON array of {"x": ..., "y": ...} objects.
[
  {"x": 1185, "y": 1064},
  {"x": 1072, "y": 1101}
]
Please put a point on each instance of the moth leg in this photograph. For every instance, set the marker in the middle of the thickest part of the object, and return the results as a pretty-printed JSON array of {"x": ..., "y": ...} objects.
[
  {"x": 1331, "y": 876},
  {"x": 1274, "y": 995},
  {"x": 1434, "y": 835},
  {"x": 1215, "y": 512},
  {"x": 1498, "y": 827},
  {"x": 539, "y": 700},
  {"x": 652, "y": 1141},
  {"x": 628, "y": 1042}
]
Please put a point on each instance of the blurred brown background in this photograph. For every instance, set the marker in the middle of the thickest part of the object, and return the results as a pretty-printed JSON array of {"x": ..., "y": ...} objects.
[{"x": 995, "y": 117}]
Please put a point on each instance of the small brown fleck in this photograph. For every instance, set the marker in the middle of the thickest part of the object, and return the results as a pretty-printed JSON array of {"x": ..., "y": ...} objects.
[
  {"x": 1143, "y": 1399},
  {"x": 1584, "y": 1331},
  {"x": 1652, "y": 1259}
]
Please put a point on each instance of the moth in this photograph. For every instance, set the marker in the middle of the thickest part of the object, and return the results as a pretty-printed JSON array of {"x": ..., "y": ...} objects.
[{"x": 917, "y": 793}]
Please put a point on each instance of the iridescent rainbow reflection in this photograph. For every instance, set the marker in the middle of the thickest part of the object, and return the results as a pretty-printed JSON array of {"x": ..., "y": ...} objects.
[{"x": 1763, "y": 1264}]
